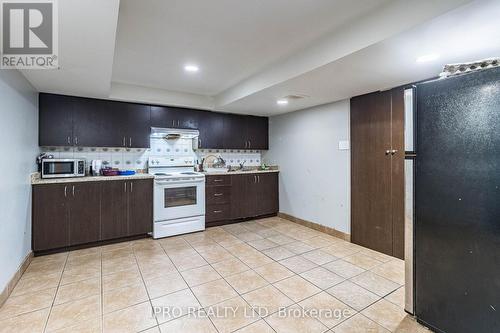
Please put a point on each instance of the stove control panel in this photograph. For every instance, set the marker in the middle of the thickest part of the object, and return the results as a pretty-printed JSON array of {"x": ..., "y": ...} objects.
[{"x": 182, "y": 161}]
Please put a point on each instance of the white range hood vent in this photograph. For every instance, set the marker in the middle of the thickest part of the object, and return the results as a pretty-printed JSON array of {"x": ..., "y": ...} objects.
[{"x": 173, "y": 133}]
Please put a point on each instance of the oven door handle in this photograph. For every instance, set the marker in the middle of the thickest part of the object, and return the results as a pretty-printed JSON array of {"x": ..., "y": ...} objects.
[{"x": 159, "y": 182}]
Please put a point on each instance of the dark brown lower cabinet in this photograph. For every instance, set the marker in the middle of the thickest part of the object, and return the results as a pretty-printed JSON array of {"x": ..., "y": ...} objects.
[
  {"x": 113, "y": 209},
  {"x": 140, "y": 207},
  {"x": 377, "y": 178},
  {"x": 85, "y": 212},
  {"x": 50, "y": 217},
  {"x": 241, "y": 196}
]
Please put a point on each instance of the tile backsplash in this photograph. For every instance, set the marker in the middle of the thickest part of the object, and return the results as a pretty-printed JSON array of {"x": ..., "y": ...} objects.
[{"x": 137, "y": 158}]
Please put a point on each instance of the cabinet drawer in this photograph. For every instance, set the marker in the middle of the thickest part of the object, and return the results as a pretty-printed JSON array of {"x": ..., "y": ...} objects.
[
  {"x": 218, "y": 180},
  {"x": 218, "y": 195},
  {"x": 217, "y": 212}
]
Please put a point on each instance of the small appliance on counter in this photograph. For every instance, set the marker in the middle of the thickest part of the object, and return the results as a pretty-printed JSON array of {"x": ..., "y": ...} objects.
[
  {"x": 62, "y": 168},
  {"x": 95, "y": 167}
]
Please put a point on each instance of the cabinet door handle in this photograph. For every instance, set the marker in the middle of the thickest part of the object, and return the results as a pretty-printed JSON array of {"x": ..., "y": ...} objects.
[
  {"x": 217, "y": 194},
  {"x": 125, "y": 187},
  {"x": 217, "y": 211},
  {"x": 178, "y": 123},
  {"x": 394, "y": 151},
  {"x": 387, "y": 152},
  {"x": 199, "y": 143},
  {"x": 258, "y": 178},
  {"x": 123, "y": 141},
  {"x": 249, "y": 144},
  {"x": 130, "y": 141},
  {"x": 255, "y": 179},
  {"x": 131, "y": 187},
  {"x": 173, "y": 123},
  {"x": 69, "y": 140},
  {"x": 65, "y": 191},
  {"x": 73, "y": 191},
  {"x": 76, "y": 140},
  {"x": 217, "y": 180}
]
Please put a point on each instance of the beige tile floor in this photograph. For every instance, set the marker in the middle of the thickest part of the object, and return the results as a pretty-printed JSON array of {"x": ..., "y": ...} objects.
[{"x": 277, "y": 275}]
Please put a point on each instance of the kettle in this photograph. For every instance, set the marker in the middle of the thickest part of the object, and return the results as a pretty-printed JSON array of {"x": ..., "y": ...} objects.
[{"x": 95, "y": 167}]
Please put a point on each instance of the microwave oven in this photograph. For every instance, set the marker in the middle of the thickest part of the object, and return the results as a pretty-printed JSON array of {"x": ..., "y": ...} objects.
[{"x": 62, "y": 168}]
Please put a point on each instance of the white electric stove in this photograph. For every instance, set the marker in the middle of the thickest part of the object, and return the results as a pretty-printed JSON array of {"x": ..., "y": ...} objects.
[{"x": 179, "y": 196}]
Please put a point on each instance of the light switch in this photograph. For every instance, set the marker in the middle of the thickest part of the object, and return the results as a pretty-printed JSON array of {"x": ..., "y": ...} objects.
[{"x": 344, "y": 145}]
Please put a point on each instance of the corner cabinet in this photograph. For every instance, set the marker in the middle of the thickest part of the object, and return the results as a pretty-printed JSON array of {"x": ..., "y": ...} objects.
[
  {"x": 72, "y": 214},
  {"x": 232, "y": 198}
]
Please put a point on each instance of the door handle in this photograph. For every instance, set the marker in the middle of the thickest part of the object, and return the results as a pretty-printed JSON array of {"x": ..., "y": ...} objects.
[
  {"x": 217, "y": 211},
  {"x": 387, "y": 152},
  {"x": 258, "y": 178},
  {"x": 76, "y": 140},
  {"x": 199, "y": 143},
  {"x": 249, "y": 144},
  {"x": 130, "y": 141},
  {"x": 73, "y": 191},
  {"x": 131, "y": 187},
  {"x": 69, "y": 140},
  {"x": 65, "y": 190},
  {"x": 394, "y": 151},
  {"x": 218, "y": 180},
  {"x": 123, "y": 141},
  {"x": 125, "y": 187},
  {"x": 255, "y": 179},
  {"x": 217, "y": 194}
]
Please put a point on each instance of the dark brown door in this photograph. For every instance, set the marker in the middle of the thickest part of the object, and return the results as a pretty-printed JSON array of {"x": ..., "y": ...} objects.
[
  {"x": 140, "y": 206},
  {"x": 84, "y": 212},
  {"x": 371, "y": 209},
  {"x": 397, "y": 176},
  {"x": 257, "y": 132},
  {"x": 211, "y": 128},
  {"x": 98, "y": 123},
  {"x": 55, "y": 120},
  {"x": 267, "y": 194},
  {"x": 172, "y": 117},
  {"x": 235, "y": 129},
  {"x": 114, "y": 209},
  {"x": 137, "y": 127},
  {"x": 50, "y": 227}
]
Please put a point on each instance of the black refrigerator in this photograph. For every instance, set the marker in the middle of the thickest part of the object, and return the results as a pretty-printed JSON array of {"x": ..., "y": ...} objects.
[{"x": 456, "y": 259}]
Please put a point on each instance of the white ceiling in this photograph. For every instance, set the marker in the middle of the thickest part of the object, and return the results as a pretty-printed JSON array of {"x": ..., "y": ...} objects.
[
  {"x": 252, "y": 53},
  {"x": 230, "y": 40}
]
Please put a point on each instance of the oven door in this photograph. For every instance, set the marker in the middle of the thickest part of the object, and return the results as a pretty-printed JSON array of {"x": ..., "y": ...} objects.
[
  {"x": 174, "y": 200},
  {"x": 58, "y": 168}
]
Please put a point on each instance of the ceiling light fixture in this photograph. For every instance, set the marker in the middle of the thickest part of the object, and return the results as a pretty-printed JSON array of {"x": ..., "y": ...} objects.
[
  {"x": 191, "y": 68},
  {"x": 282, "y": 102},
  {"x": 428, "y": 57}
]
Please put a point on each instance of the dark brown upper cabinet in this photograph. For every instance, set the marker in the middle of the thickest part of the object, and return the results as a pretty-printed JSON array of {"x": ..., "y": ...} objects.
[
  {"x": 211, "y": 127},
  {"x": 55, "y": 120},
  {"x": 87, "y": 122},
  {"x": 245, "y": 132},
  {"x": 96, "y": 123},
  {"x": 173, "y": 117}
]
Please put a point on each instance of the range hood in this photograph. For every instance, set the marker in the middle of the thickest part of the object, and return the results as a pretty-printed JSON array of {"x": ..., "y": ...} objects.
[{"x": 173, "y": 133}]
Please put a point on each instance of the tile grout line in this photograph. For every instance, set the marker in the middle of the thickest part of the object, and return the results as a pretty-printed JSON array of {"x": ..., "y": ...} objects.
[{"x": 57, "y": 290}]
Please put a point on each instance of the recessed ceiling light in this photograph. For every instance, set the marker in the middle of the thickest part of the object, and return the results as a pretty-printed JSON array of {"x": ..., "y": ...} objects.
[
  {"x": 191, "y": 68},
  {"x": 282, "y": 102},
  {"x": 428, "y": 57}
]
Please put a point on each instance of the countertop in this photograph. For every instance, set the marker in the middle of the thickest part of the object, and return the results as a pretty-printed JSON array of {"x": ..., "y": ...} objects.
[
  {"x": 216, "y": 173},
  {"x": 36, "y": 180}
]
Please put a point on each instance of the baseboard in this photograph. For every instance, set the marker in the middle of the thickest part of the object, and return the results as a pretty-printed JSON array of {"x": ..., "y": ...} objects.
[
  {"x": 316, "y": 226},
  {"x": 13, "y": 281}
]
